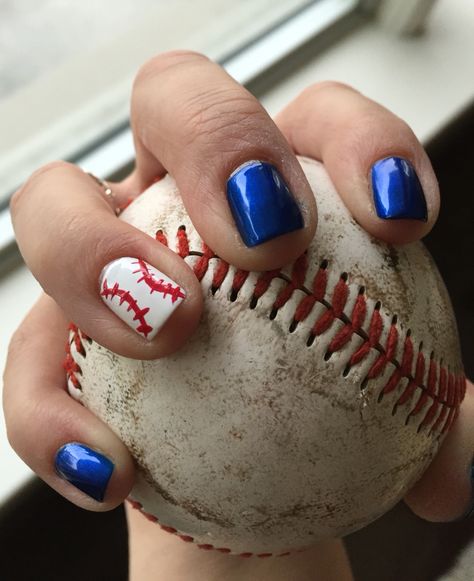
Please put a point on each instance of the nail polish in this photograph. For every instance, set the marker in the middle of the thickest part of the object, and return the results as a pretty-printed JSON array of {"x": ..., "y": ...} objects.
[
  {"x": 262, "y": 205},
  {"x": 397, "y": 190},
  {"x": 139, "y": 294},
  {"x": 84, "y": 468}
]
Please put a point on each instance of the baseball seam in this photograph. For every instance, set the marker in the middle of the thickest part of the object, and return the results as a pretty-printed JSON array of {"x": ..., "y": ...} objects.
[
  {"x": 443, "y": 388},
  {"x": 206, "y": 546}
]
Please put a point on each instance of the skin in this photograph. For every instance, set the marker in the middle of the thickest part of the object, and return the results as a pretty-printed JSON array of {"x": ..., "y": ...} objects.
[{"x": 191, "y": 119}]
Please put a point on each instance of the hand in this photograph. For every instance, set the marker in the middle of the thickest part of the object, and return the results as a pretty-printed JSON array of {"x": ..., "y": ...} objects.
[{"x": 191, "y": 119}]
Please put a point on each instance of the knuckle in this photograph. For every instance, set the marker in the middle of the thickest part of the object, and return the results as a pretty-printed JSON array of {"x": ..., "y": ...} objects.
[
  {"x": 36, "y": 178},
  {"x": 375, "y": 128},
  {"x": 227, "y": 117}
]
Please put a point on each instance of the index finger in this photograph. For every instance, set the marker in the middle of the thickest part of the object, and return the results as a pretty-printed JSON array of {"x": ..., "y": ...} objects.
[
  {"x": 90, "y": 263},
  {"x": 240, "y": 182}
]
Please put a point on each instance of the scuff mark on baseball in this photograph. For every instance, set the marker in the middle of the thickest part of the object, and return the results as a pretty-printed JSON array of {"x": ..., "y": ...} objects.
[{"x": 296, "y": 411}]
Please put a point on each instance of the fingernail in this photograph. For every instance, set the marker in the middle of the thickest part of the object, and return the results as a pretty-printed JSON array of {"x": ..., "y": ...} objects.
[
  {"x": 397, "y": 190},
  {"x": 84, "y": 468},
  {"x": 139, "y": 294},
  {"x": 261, "y": 203}
]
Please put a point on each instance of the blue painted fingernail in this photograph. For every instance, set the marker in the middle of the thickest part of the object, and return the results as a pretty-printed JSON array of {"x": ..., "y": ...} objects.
[
  {"x": 397, "y": 190},
  {"x": 261, "y": 203},
  {"x": 85, "y": 468}
]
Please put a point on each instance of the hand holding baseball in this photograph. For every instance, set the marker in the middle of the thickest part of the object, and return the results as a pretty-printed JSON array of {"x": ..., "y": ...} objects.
[{"x": 190, "y": 119}]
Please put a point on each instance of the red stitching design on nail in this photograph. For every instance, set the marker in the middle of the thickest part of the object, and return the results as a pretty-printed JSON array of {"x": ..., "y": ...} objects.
[
  {"x": 160, "y": 286},
  {"x": 109, "y": 292},
  {"x": 203, "y": 546}
]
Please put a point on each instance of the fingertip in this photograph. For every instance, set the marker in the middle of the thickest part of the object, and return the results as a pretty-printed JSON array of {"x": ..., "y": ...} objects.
[
  {"x": 405, "y": 205},
  {"x": 269, "y": 218},
  {"x": 145, "y": 313},
  {"x": 378, "y": 166},
  {"x": 92, "y": 477}
]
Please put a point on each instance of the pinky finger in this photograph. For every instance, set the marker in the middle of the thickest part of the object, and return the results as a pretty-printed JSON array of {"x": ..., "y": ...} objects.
[
  {"x": 446, "y": 490},
  {"x": 63, "y": 442}
]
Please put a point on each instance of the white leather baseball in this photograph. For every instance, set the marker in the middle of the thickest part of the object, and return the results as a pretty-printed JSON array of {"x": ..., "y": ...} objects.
[{"x": 307, "y": 403}]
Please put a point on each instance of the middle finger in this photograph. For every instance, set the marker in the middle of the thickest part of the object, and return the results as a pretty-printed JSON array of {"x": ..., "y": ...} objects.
[{"x": 241, "y": 184}]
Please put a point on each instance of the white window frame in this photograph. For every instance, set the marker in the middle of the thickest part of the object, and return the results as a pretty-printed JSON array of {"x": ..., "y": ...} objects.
[{"x": 246, "y": 65}]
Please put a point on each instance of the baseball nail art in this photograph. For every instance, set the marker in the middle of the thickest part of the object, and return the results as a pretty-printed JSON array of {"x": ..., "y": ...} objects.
[
  {"x": 84, "y": 468},
  {"x": 139, "y": 294}
]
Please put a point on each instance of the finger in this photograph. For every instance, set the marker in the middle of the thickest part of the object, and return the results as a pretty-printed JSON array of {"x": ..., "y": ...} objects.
[
  {"x": 63, "y": 442},
  {"x": 241, "y": 184},
  {"x": 74, "y": 245},
  {"x": 376, "y": 163},
  {"x": 445, "y": 492}
]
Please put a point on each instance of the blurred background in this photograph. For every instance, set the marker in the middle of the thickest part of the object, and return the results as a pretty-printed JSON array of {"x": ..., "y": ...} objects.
[{"x": 66, "y": 70}]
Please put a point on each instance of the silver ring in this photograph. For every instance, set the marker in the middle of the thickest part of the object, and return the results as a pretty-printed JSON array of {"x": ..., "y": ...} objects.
[{"x": 106, "y": 190}]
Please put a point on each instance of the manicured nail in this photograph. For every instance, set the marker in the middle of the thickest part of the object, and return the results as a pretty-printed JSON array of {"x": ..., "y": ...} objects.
[
  {"x": 141, "y": 295},
  {"x": 261, "y": 203},
  {"x": 85, "y": 468},
  {"x": 397, "y": 190}
]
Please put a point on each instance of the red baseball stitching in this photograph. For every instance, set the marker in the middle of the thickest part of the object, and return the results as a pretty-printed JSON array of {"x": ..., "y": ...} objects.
[
  {"x": 443, "y": 388},
  {"x": 205, "y": 547},
  {"x": 126, "y": 297},
  {"x": 450, "y": 398}
]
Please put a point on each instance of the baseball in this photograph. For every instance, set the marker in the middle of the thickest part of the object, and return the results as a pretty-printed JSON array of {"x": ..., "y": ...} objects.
[{"x": 307, "y": 403}]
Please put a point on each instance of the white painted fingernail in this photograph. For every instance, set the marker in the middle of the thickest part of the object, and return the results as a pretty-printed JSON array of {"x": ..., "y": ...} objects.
[{"x": 139, "y": 294}]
